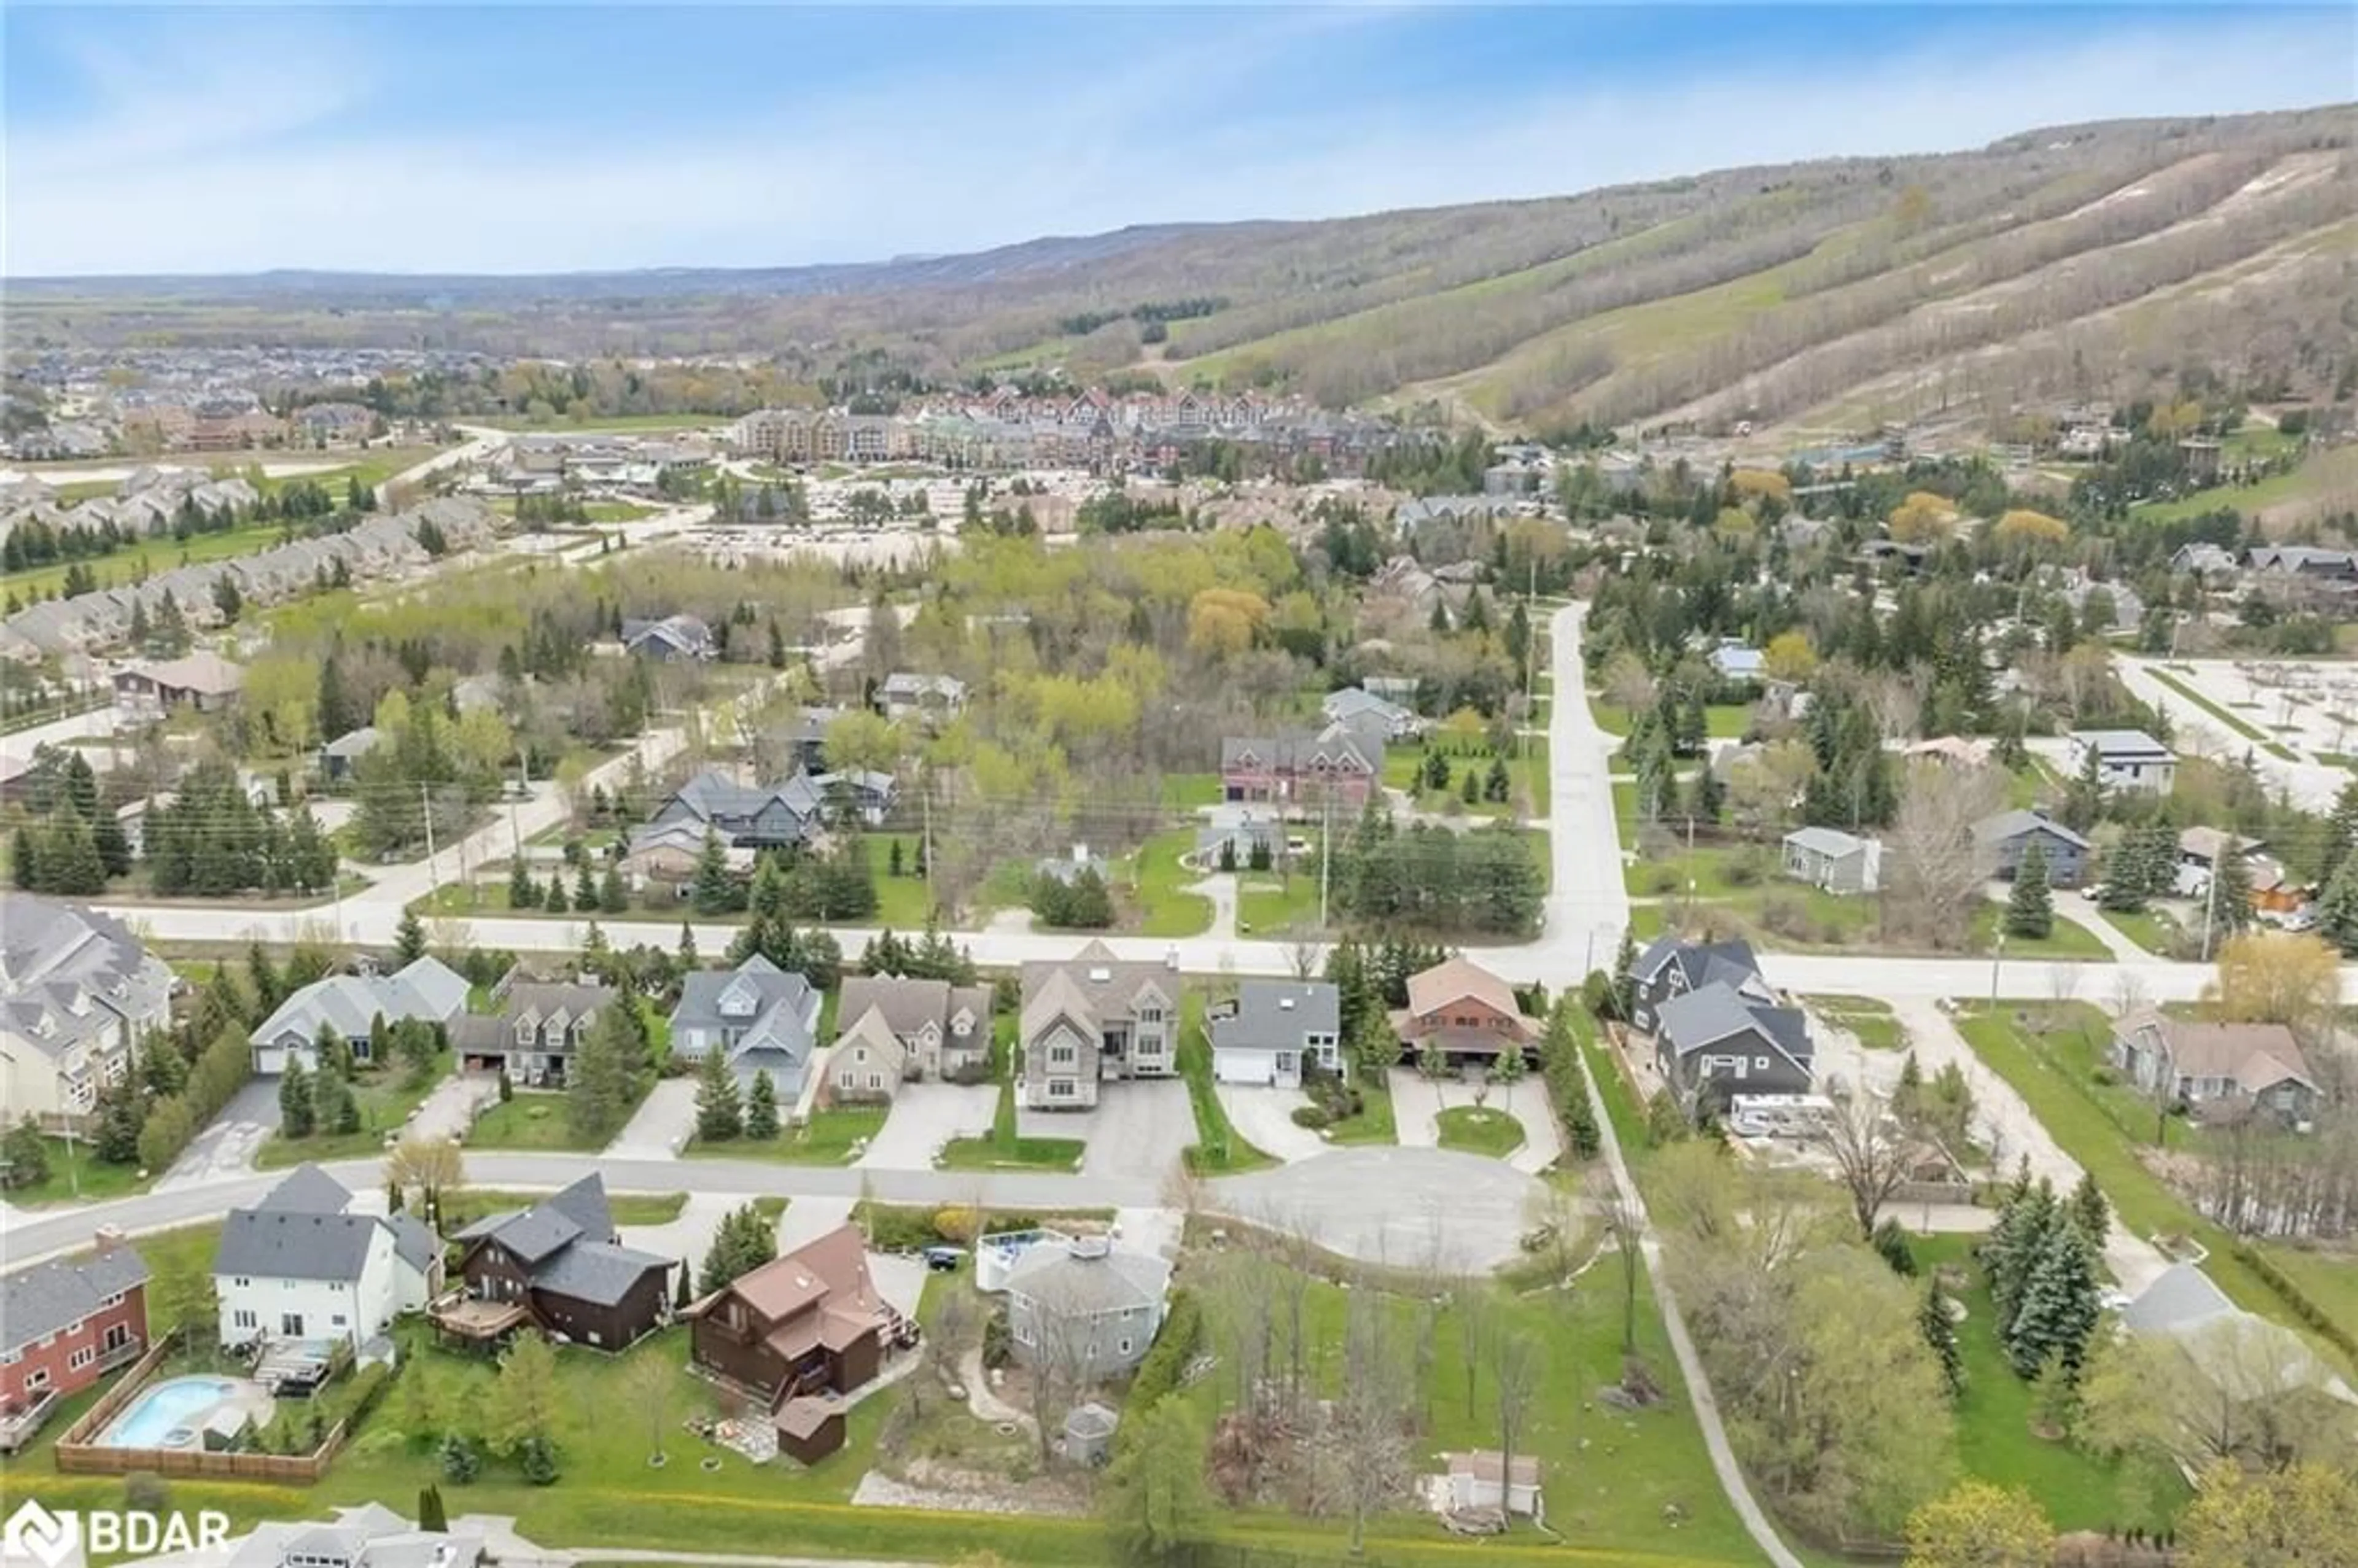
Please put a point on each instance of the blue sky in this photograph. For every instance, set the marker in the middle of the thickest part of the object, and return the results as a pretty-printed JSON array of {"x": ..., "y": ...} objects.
[{"x": 532, "y": 138}]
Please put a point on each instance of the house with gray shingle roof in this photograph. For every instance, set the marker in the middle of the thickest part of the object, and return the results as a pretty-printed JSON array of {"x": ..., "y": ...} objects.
[
  {"x": 64, "y": 1325},
  {"x": 1716, "y": 1042},
  {"x": 2005, "y": 837},
  {"x": 1274, "y": 1030},
  {"x": 560, "y": 1265},
  {"x": 942, "y": 1028},
  {"x": 1085, "y": 1305},
  {"x": 1833, "y": 861},
  {"x": 303, "y": 1266},
  {"x": 77, "y": 992},
  {"x": 763, "y": 1018},
  {"x": 428, "y": 990}
]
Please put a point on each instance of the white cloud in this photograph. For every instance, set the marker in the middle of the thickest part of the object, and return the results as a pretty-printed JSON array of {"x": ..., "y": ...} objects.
[{"x": 241, "y": 166}]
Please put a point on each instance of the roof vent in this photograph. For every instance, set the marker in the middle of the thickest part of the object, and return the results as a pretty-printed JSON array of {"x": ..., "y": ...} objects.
[
  {"x": 1090, "y": 1247},
  {"x": 1285, "y": 1004},
  {"x": 1099, "y": 975}
]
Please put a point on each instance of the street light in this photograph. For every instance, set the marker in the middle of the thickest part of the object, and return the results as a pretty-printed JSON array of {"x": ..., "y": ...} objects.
[{"x": 1997, "y": 956}]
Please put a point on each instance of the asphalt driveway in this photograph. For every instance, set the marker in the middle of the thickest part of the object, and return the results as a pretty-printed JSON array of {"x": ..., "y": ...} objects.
[
  {"x": 227, "y": 1145},
  {"x": 1401, "y": 1207},
  {"x": 1135, "y": 1133},
  {"x": 924, "y": 1117},
  {"x": 660, "y": 1128},
  {"x": 1263, "y": 1117}
]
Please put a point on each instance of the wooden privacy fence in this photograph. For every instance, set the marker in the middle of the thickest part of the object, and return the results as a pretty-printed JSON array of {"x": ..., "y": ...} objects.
[{"x": 77, "y": 1455}]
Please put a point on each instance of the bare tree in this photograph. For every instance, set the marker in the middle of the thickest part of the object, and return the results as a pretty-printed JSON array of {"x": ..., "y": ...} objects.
[
  {"x": 1304, "y": 951},
  {"x": 1627, "y": 1227},
  {"x": 431, "y": 1167},
  {"x": 1471, "y": 1297},
  {"x": 1516, "y": 1365},
  {"x": 1894, "y": 703},
  {"x": 1869, "y": 1152},
  {"x": 648, "y": 1380},
  {"x": 1558, "y": 1219},
  {"x": 1936, "y": 867},
  {"x": 1367, "y": 1449}
]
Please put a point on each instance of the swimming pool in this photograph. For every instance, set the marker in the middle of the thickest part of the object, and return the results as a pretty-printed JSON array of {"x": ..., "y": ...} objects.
[{"x": 169, "y": 1415}]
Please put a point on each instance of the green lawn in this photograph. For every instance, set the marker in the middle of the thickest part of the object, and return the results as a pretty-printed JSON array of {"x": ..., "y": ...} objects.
[
  {"x": 1867, "y": 1017},
  {"x": 2067, "y": 940},
  {"x": 2327, "y": 1279},
  {"x": 903, "y": 902},
  {"x": 1994, "y": 1441},
  {"x": 386, "y": 1096},
  {"x": 1717, "y": 870},
  {"x": 1002, "y": 1148},
  {"x": 461, "y": 1209},
  {"x": 1270, "y": 905},
  {"x": 530, "y": 1121},
  {"x": 2321, "y": 472},
  {"x": 1374, "y": 1124},
  {"x": 833, "y": 1136},
  {"x": 158, "y": 554},
  {"x": 1527, "y": 774},
  {"x": 2067, "y": 1105},
  {"x": 1154, "y": 877},
  {"x": 78, "y": 1175},
  {"x": 1721, "y": 720},
  {"x": 1217, "y": 1151},
  {"x": 1479, "y": 1130},
  {"x": 1187, "y": 792},
  {"x": 2151, "y": 931}
]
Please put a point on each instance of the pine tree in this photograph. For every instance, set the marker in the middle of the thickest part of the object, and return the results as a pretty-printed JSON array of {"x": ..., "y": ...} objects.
[
  {"x": 585, "y": 887},
  {"x": 605, "y": 1083},
  {"x": 1940, "y": 1332},
  {"x": 296, "y": 1117},
  {"x": 432, "y": 1518},
  {"x": 719, "y": 1109},
  {"x": 554, "y": 902},
  {"x": 2336, "y": 907},
  {"x": 712, "y": 891},
  {"x": 522, "y": 892},
  {"x": 762, "y": 1109},
  {"x": 2228, "y": 905},
  {"x": 2060, "y": 1303},
  {"x": 24, "y": 861},
  {"x": 2030, "y": 908},
  {"x": 687, "y": 954},
  {"x": 611, "y": 897},
  {"x": 409, "y": 938},
  {"x": 2090, "y": 1211}
]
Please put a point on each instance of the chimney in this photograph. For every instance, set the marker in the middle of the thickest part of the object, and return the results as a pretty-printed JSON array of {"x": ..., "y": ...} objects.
[
  {"x": 107, "y": 1237},
  {"x": 1080, "y": 854},
  {"x": 1171, "y": 958}
]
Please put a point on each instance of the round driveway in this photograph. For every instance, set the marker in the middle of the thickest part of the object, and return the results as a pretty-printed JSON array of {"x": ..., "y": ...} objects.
[{"x": 1407, "y": 1208}]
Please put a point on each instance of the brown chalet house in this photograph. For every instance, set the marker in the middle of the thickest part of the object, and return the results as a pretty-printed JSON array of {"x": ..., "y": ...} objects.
[
  {"x": 558, "y": 1266},
  {"x": 1469, "y": 1012},
  {"x": 802, "y": 1332}
]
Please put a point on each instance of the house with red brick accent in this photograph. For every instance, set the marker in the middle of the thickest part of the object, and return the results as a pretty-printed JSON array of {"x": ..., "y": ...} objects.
[
  {"x": 63, "y": 1326},
  {"x": 1466, "y": 1011},
  {"x": 1305, "y": 768}
]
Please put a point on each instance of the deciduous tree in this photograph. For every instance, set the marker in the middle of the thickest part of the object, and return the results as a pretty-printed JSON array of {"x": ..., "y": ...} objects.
[{"x": 1977, "y": 1525}]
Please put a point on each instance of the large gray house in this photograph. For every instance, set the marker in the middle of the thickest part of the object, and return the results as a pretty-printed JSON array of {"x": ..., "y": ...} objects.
[
  {"x": 2005, "y": 837},
  {"x": 1093, "y": 1018},
  {"x": 1718, "y": 1041},
  {"x": 428, "y": 990},
  {"x": 76, "y": 991},
  {"x": 534, "y": 1036},
  {"x": 1274, "y": 1030},
  {"x": 763, "y": 1018},
  {"x": 752, "y": 817},
  {"x": 2217, "y": 1069},
  {"x": 1085, "y": 1306}
]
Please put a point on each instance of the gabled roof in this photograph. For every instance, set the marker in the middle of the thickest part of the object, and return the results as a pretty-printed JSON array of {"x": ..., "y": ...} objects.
[
  {"x": 1273, "y": 1015},
  {"x": 1454, "y": 977},
  {"x": 2255, "y": 1056},
  {"x": 2004, "y": 826},
  {"x": 1832, "y": 843},
  {"x": 279, "y": 1245},
  {"x": 2128, "y": 743},
  {"x": 307, "y": 1190},
  {"x": 906, "y": 1004},
  {"x": 48, "y": 1297},
  {"x": 869, "y": 1030},
  {"x": 602, "y": 1272},
  {"x": 576, "y": 1213},
  {"x": 1730, "y": 963},
  {"x": 2180, "y": 1297},
  {"x": 1694, "y": 1020}
]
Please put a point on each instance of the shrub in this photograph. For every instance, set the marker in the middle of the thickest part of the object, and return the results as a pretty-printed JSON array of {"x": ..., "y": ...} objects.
[
  {"x": 461, "y": 1463},
  {"x": 1892, "y": 1244},
  {"x": 958, "y": 1223},
  {"x": 1313, "y": 1117},
  {"x": 1748, "y": 867},
  {"x": 1661, "y": 880},
  {"x": 539, "y": 1461},
  {"x": 1173, "y": 1348},
  {"x": 997, "y": 1340},
  {"x": 145, "y": 1492}
]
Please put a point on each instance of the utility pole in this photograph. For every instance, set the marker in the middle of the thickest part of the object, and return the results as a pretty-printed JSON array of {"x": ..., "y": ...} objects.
[
  {"x": 425, "y": 808},
  {"x": 2210, "y": 893},
  {"x": 1325, "y": 852}
]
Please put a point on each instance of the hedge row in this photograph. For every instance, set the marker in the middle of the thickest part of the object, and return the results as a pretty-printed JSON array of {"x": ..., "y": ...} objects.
[
  {"x": 1173, "y": 1348},
  {"x": 2295, "y": 1298}
]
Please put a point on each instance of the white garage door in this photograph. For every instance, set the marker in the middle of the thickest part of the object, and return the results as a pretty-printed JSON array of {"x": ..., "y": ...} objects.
[{"x": 1244, "y": 1067}]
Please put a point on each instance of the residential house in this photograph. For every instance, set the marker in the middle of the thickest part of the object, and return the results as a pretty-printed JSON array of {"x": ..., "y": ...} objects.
[
  {"x": 340, "y": 756},
  {"x": 1833, "y": 861},
  {"x": 427, "y": 990},
  {"x": 1466, "y": 1012},
  {"x": 672, "y": 640},
  {"x": 301, "y": 1266},
  {"x": 1093, "y": 1018},
  {"x": 1390, "y": 720},
  {"x": 1274, "y": 1030},
  {"x": 2273, "y": 889},
  {"x": 1302, "y": 768},
  {"x": 1235, "y": 838},
  {"x": 1068, "y": 868},
  {"x": 203, "y": 681},
  {"x": 2217, "y": 1069},
  {"x": 1085, "y": 1307},
  {"x": 2125, "y": 760},
  {"x": 369, "y": 1535},
  {"x": 2006, "y": 836},
  {"x": 904, "y": 695},
  {"x": 801, "y": 1332},
  {"x": 2214, "y": 565},
  {"x": 1949, "y": 752},
  {"x": 1672, "y": 967},
  {"x": 536, "y": 1034},
  {"x": 670, "y": 854},
  {"x": 560, "y": 1266},
  {"x": 63, "y": 1326},
  {"x": 1733, "y": 660},
  {"x": 751, "y": 817},
  {"x": 763, "y": 1018},
  {"x": 77, "y": 992},
  {"x": 1719, "y": 1040},
  {"x": 2243, "y": 1356},
  {"x": 943, "y": 1030},
  {"x": 805, "y": 739},
  {"x": 2305, "y": 563},
  {"x": 1479, "y": 1480}
]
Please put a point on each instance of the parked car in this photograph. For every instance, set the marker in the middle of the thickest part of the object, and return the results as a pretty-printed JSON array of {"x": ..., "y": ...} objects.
[{"x": 943, "y": 1260}]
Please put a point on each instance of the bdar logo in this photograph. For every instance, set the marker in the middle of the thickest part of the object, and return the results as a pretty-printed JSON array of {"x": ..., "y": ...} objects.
[{"x": 46, "y": 1538}]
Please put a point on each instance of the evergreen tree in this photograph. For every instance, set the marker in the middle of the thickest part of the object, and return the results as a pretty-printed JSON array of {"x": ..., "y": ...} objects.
[
  {"x": 714, "y": 891},
  {"x": 409, "y": 938},
  {"x": 432, "y": 1517},
  {"x": 2030, "y": 907},
  {"x": 2336, "y": 907},
  {"x": 2083, "y": 799},
  {"x": 2090, "y": 1211},
  {"x": 24, "y": 860},
  {"x": 522, "y": 892},
  {"x": 743, "y": 1243},
  {"x": 23, "y": 1155},
  {"x": 121, "y": 1110},
  {"x": 585, "y": 887},
  {"x": 1940, "y": 1332},
  {"x": 2059, "y": 1305},
  {"x": 606, "y": 1068},
  {"x": 2229, "y": 906},
  {"x": 611, "y": 897},
  {"x": 554, "y": 902},
  {"x": 296, "y": 1116},
  {"x": 719, "y": 1109},
  {"x": 688, "y": 958},
  {"x": 337, "y": 716},
  {"x": 762, "y": 1109}
]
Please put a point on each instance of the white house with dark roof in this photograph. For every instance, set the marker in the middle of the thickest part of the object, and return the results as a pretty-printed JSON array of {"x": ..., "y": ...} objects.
[
  {"x": 427, "y": 990},
  {"x": 1275, "y": 1030},
  {"x": 301, "y": 1266},
  {"x": 76, "y": 991},
  {"x": 2125, "y": 759}
]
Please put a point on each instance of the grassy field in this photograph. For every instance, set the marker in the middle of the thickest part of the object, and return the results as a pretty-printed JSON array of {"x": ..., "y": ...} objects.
[
  {"x": 530, "y": 1121},
  {"x": 1722, "y": 721},
  {"x": 1003, "y": 1148},
  {"x": 157, "y": 555},
  {"x": 2327, "y": 1279},
  {"x": 2067, "y": 1105},
  {"x": 1270, "y": 905},
  {"x": 1994, "y": 1440},
  {"x": 834, "y": 1135},
  {"x": 1867, "y": 1017},
  {"x": 2243, "y": 727},
  {"x": 903, "y": 902},
  {"x": 1527, "y": 775},
  {"x": 1478, "y": 1130},
  {"x": 77, "y": 1176},
  {"x": 1155, "y": 877},
  {"x": 1187, "y": 792},
  {"x": 2151, "y": 931},
  {"x": 386, "y": 1096},
  {"x": 2322, "y": 475},
  {"x": 1374, "y": 1124},
  {"x": 2067, "y": 940}
]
